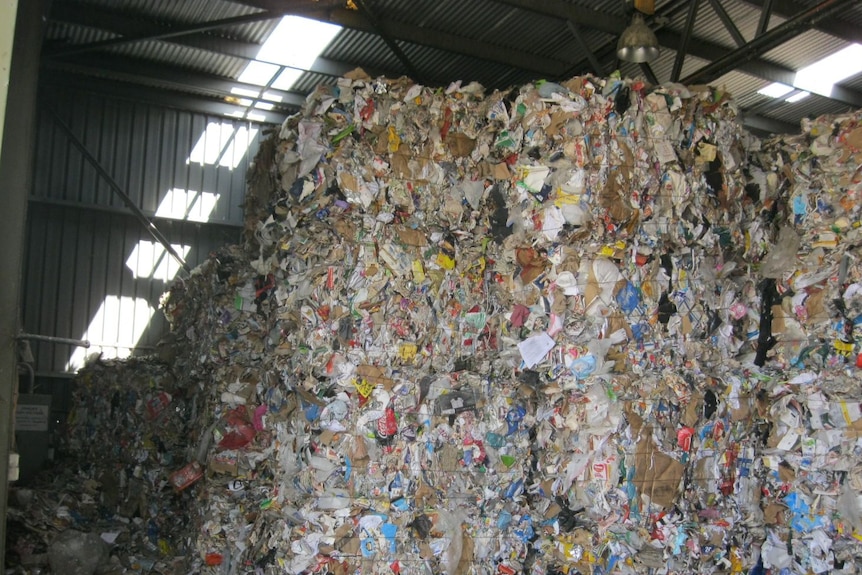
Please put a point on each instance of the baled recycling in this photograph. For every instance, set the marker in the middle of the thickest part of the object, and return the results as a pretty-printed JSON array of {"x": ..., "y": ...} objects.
[{"x": 591, "y": 327}]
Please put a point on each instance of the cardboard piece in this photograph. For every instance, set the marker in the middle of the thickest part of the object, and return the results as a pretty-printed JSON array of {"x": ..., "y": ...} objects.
[
  {"x": 411, "y": 237},
  {"x": 400, "y": 165},
  {"x": 460, "y": 144},
  {"x": 467, "y": 548},
  {"x": 656, "y": 475},
  {"x": 774, "y": 514},
  {"x": 375, "y": 375},
  {"x": 501, "y": 171}
]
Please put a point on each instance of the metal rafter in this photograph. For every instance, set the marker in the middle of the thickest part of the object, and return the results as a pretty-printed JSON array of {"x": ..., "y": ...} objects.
[
  {"x": 166, "y": 76},
  {"x": 835, "y": 26},
  {"x": 648, "y": 73},
  {"x": 166, "y": 33},
  {"x": 686, "y": 37},
  {"x": 697, "y": 47},
  {"x": 90, "y": 16},
  {"x": 728, "y": 22},
  {"x": 381, "y": 30},
  {"x": 156, "y": 96},
  {"x": 766, "y": 125},
  {"x": 446, "y": 41},
  {"x": 757, "y": 67},
  {"x": 591, "y": 56},
  {"x": 124, "y": 24},
  {"x": 765, "y": 15},
  {"x": 767, "y": 41}
]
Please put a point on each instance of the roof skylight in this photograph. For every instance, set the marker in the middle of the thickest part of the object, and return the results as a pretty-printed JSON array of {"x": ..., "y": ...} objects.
[
  {"x": 295, "y": 43},
  {"x": 775, "y": 90},
  {"x": 820, "y": 76},
  {"x": 289, "y": 51}
]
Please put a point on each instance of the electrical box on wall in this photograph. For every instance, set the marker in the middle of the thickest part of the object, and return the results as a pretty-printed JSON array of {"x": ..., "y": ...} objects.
[{"x": 32, "y": 432}]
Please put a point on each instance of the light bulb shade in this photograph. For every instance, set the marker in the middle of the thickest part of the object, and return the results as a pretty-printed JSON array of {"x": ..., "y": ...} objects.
[{"x": 637, "y": 43}]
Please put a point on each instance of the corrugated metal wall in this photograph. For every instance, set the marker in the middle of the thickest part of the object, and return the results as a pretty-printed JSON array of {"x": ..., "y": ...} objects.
[
  {"x": 91, "y": 270},
  {"x": 159, "y": 156}
]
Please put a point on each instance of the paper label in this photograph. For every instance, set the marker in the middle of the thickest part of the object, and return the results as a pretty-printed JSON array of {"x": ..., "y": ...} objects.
[{"x": 30, "y": 417}]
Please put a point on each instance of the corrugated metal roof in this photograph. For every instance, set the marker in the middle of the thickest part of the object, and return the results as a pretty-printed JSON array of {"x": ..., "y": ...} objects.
[
  {"x": 853, "y": 82},
  {"x": 739, "y": 84},
  {"x": 309, "y": 81},
  {"x": 75, "y": 34},
  {"x": 810, "y": 107},
  {"x": 709, "y": 27},
  {"x": 526, "y": 30},
  {"x": 805, "y": 49},
  {"x": 184, "y": 11},
  {"x": 176, "y": 54},
  {"x": 375, "y": 53}
]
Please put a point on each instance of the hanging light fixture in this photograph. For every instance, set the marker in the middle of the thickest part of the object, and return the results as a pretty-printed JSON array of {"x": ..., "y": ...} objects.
[{"x": 638, "y": 43}]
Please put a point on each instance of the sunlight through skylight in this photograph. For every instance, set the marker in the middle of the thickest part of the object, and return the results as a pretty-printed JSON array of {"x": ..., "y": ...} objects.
[
  {"x": 189, "y": 205},
  {"x": 150, "y": 260},
  {"x": 223, "y": 144},
  {"x": 822, "y": 75},
  {"x": 115, "y": 330},
  {"x": 796, "y": 97},
  {"x": 775, "y": 90},
  {"x": 294, "y": 44}
]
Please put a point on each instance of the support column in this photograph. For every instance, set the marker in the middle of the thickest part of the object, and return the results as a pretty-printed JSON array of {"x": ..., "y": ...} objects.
[{"x": 23, "y": 22}]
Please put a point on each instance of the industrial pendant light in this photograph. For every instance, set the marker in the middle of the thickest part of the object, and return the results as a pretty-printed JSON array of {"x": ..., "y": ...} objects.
[{"x": 638, "y": 43}]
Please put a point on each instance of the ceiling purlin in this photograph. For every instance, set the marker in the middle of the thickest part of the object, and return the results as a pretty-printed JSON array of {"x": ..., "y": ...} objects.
[
  {"x": 379, "y": 27},
  {"x": 541, "y": 65},
  {"x": 765, "y": 15},
  {"x": 833, "y": 26},
  {"x": 335, "y": 12},
  {"x": 728, "y": 22},
  {"x": 756, "y": 66},
  {"x": 163, "y": 33},
  {"x": 169, "y": 77},
  {"x": 686, "y": 37},
  {"x": 81, "y": 14},
  {"x": 767, "y": 41}
]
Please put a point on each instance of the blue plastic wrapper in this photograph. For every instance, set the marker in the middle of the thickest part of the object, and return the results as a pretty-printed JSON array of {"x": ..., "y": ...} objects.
[{"x": 629, "y": 298}]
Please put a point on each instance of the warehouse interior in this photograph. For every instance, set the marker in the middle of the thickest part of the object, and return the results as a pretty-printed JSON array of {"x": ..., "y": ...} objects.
[{"x": 134, "y": 131}]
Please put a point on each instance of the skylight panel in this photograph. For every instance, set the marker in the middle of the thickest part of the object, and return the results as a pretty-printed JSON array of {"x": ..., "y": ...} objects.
[
  {"x": 820, "y": 76},
  {"x": 775, "y": 90},
  {"x": 796, "y": 97}
]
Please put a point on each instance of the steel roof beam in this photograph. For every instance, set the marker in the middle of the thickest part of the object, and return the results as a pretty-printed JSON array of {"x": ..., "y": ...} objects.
[
  {"x": 765, "y": 42},
  {"x": 154, "y": 96},
  {"x": 381, "y": 30},
  {"x": 649, "y": 73},
  {"x": 171, "y": 77},
  {"x": 435, "y": 39},
  {"x": 765, "y": 15},
  {"x": 833, "y": 26},
  {"x": 728, "y": 22},
  {"x": 166, "y": 33},
  {"x": 92, "y": 17},
  {"x": 591, "y": 56},
  {"x": 767, "y": 125},
  {"x": 757, "y": 67},
  {"x": 686, "y": 37}
]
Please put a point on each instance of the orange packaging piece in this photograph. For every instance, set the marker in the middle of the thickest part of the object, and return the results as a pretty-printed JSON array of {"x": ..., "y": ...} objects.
[
  {"x": 188, "y": 475},
  {"x": 213, "y": 559}
]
